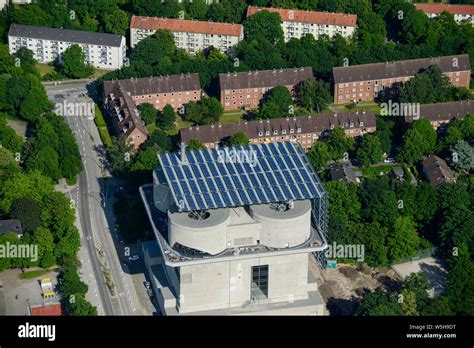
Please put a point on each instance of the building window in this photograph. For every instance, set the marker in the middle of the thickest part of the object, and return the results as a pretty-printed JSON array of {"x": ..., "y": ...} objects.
[
  {"x": 275, "y": 132},
  {"x": 260, "y": 133},
  {"x": 259, "y": 286}
]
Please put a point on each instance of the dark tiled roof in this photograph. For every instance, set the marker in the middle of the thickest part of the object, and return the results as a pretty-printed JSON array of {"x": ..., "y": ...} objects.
[
  {"x": 264, "y": 78},
  {"x": 136, "y": 121},
  {"x": 54, "y": 34},
  {"x": 437, "y": 171},
  {"x": 400, "y": 68},
  {"x": 343, "y": 172},
  {"x": 309, "y": 124},
  {"x": 444, "y": 111},
  {"x": 10, "y": 226},
  {"x": 154, "y": 85}
]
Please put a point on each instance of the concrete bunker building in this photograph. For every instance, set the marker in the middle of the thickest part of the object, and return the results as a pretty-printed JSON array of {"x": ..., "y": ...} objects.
[{"x": 233, "y": 236}]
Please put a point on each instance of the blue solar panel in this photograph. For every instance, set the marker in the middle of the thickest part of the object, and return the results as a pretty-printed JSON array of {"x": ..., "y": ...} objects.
[
  {"x": 279, "y": 172},
  {"x": 205, "y": 171},
  {"x": 261, "y": 194},
  {"x": 296, "y": 192},
  {"x": 270, "y": 194},
  {"x": 218, "y": 200}
]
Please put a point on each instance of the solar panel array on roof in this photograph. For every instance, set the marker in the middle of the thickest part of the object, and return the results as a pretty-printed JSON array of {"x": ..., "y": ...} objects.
[{"x": 266, "y": 173}]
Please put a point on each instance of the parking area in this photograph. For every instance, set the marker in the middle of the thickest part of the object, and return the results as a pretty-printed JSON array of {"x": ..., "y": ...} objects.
[{"x": 20, "y": 294}]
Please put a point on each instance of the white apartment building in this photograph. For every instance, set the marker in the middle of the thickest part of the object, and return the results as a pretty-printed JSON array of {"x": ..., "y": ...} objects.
[
  {"x": 102, "y": 51},
  {"x": 460, "y": 12},
  {"x": 297, "y": 23},
  {"x": 193, "y": 36}
]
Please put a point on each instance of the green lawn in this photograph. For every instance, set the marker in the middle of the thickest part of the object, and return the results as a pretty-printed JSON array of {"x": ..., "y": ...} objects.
[
  {"x": 34, "y": 274},
  {"x": 44, "y": 69},
  {"x": 371, "y": 172},
  {"x": 102, "y": 127},
  {"x": 232, "y": 117}
]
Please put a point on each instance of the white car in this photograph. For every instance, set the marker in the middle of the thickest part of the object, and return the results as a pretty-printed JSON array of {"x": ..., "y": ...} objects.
[
  {"x": 389, "y": 160},
  {"x": 134, "y": 258},
  {"x": 150, "y": 292},
  {"x": 147, "y": 284}
]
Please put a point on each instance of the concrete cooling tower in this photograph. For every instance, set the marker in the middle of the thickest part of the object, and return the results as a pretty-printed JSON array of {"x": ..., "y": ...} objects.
[
  {"x": 283, "y": 225},
  {"x": 205, "y": 231}
]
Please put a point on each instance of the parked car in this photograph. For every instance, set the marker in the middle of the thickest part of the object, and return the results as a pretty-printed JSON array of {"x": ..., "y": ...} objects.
[
  {"x": 134, "y": 258},
  {"x": 150, "y": 292},
  {"x": 147, "y": 284},
  {"x": 389, "y": 160}
]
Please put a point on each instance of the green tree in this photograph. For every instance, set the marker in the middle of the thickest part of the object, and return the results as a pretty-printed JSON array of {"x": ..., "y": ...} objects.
[
  {"x": 194, "y": 144},
  {"x": 73, "y": 63},
  {"x": 146, "y": 160},
  {"x": 403, "y": 241},
  {"x": 116, "y": 22},
  {"x": 313, "y": 95},
  {"x": 278, "y": 103},
  {"x": 462, "y": 156},
  {"x": 71, "y": 284},
  {"x": 419, "y": 140},
  {"x": 460, "y": 288},
  {"x": 370, "y": 150},
  {"x": 264, "y": 26},
  {"x": 379, "y": 202},
  {"x": 121, "y": 155},
  {"x": 46, "y": 161},
  {"x": 32, "y": 14},
  {"x": 81, "y": 307},
  {"x": 26, "y": 61},
  {"x": 238, "y": 139},
  {"x": 212, "y": 110},
  {"x": 167, "y": 118},
  {"x": 8, "y": 137},
  {"x": 68, "y": 245},
  {"x": 428, "y": 86},
  {"x": 343, "y": 201},
  {"x": 198, "y": 10},
  {"x": 456, "y": 228},
  {"x": 147, "y": 113},
  {"x": 379, "y": 302},
  {"x": 28, "y": 212},
  {"x": 159, "y": 141},
  {"x": 7, "y": 61},
  {"x": 385, "y": 129},
  {"x": 319, "y": 155},
  {"x": 45, "y": 241},
  {"x": 339, "y": 143}
]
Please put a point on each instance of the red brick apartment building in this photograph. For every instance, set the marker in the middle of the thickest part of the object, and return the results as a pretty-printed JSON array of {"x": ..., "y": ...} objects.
[
  {"x": 442, "y": 113},
  {"x": 365, "y": 82},
  {"x": 304, "y": 130},
  {"x": 121, "y": 98},
  {"x": 245, "y": 90}
]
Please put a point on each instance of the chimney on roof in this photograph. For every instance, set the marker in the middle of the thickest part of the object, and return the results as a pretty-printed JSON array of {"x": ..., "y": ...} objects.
[
  {"x": 335, "y": 114},
  {"x": 212, "y": 125},
  {"x": 184, "y": 159},
  {"x": 220, "y": 125}
]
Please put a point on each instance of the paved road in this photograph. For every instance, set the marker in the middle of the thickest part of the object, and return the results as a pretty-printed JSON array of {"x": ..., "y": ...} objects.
[{"x": 97, "y": 238}]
